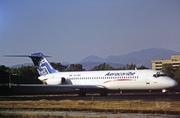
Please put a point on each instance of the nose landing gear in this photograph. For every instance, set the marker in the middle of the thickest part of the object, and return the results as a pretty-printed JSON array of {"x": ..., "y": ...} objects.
[{"x": 164, "y": 90}]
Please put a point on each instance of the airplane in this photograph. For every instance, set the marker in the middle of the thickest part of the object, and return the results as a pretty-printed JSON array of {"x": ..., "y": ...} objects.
[{"x": 105, "y": 80}]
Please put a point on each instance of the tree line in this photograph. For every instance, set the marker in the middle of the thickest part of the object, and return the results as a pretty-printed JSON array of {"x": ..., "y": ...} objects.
[{"x": 29, "y": 74}]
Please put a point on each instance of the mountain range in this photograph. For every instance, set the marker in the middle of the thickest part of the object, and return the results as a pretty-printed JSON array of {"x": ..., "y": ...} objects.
[{"x": 142, "y": 57}]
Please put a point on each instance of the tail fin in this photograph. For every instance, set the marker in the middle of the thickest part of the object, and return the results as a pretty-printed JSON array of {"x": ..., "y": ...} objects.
[
  {"x": 43, "y": 66},
  {"x": 39, "y": 60}
]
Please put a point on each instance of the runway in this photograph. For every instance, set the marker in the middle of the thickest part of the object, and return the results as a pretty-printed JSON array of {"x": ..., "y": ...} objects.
[{"x": 110, "y": 97}]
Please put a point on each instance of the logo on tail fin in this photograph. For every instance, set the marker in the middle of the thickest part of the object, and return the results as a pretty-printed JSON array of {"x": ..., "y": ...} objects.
[{"x": 43, "y": 66}]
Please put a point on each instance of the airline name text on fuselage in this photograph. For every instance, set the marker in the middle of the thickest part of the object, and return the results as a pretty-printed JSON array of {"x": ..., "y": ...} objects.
[{"x": 120, "y": 74}]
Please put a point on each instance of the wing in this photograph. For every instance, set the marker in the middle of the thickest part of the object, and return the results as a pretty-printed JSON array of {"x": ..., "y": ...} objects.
[{"x": 63, "y": 86}]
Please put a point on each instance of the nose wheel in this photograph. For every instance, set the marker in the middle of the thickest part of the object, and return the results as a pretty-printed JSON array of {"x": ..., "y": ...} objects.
[{"x": 164, "y": 91}]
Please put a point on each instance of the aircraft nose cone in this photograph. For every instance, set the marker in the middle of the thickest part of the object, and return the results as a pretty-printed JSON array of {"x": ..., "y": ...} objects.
[{"x": 173, "y": 83}]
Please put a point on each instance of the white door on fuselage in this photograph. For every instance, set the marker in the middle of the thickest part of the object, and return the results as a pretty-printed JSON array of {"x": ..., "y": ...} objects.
[{"x": 147, "y": 80}]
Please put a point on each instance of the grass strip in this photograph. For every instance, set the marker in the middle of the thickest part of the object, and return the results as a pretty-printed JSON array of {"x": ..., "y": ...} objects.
[
  {"x": 134, "y": 106},
  {"x": 17, "y": 115}
]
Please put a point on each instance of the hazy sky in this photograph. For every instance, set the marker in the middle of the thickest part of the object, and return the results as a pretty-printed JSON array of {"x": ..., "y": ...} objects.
[{"x": 70, "y": 30}]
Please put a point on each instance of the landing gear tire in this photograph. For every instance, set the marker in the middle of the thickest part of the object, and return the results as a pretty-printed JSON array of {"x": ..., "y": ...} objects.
[
  {"x": 164, "y": 92},
  {"x": 103, "y": 93},
  {"x": 82, "y": 93}
]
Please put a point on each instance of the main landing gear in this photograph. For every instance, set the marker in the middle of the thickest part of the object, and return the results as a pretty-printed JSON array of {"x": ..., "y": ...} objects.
[
  {"x": 82, "y": 93},
  {"x": 103, "y": 93}
]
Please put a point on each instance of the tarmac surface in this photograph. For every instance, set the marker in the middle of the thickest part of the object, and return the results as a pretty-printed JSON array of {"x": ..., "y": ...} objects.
[
  {"x": 86, "y": 114},
  {"x": 124, "y": 96}
]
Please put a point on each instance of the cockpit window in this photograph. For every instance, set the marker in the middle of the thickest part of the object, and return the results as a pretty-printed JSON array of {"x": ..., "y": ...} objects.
[{"x": 158, "y": 74}]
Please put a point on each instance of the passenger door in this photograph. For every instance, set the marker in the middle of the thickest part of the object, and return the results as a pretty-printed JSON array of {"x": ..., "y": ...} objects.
[{"x": 147, "y": 80}]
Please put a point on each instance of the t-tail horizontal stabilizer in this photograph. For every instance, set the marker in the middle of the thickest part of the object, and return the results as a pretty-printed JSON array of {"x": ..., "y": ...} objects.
[{"x": 39, "y": 60}]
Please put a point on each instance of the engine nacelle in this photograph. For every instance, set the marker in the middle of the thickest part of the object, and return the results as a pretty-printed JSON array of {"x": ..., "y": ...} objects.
[
  {"x": 63, "y": 80},
  {"x": 56, "y": 81}
]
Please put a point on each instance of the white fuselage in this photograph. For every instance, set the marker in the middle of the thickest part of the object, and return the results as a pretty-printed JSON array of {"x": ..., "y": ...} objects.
[{"x": 113, "y": 80}]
